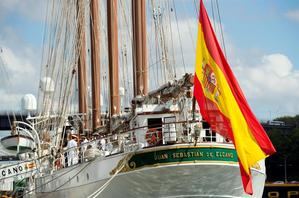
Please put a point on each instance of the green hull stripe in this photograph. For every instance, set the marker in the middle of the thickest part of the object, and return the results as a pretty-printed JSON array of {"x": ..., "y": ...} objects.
[{"x": 178, "y": 155}]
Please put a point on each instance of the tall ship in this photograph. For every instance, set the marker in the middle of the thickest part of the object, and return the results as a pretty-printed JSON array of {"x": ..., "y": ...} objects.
[{"x": 125, "y": 140}]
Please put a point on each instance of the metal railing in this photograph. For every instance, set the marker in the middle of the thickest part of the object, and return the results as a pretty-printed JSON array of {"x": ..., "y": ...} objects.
[{"x": 127, "y": 142}]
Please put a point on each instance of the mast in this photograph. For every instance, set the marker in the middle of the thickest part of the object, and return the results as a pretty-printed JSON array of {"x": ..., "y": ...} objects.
[
  {"x": 139, "y": 48},
  {"x": 144, "y": 48},
  {"x": 95, "y": 64},
  {"x": 82, "y": 83},
  {"x": 113, "y": 57}
]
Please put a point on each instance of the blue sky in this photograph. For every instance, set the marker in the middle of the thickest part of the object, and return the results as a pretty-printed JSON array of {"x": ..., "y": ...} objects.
[
  {"x": 264, "y": 25},
  {"x": 262, "y": 40},
  {"x": 29, "y": 31},
  {"x": 260, "y": 36}
]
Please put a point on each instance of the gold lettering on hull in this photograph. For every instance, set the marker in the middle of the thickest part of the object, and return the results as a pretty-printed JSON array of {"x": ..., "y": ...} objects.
[
  {"x": 192, "y": 154},
  {"x": 187, "y": 154},
  {"x": 161, "y": 157},
  {"x": 172, "y": 156},
  {"x": 224, "y": 155}
]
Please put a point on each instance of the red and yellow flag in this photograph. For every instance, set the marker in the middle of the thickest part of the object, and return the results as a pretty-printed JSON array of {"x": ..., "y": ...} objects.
[{"x": 222, "y": 103}]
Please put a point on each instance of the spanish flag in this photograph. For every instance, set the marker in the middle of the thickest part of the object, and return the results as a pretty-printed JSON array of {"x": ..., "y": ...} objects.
[{"x": 223, "y": 105}]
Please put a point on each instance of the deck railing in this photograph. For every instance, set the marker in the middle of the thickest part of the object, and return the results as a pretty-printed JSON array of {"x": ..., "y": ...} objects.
[{"x": 127, "y": 142}]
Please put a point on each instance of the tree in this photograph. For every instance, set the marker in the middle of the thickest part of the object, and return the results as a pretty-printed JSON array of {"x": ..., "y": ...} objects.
[{"x": 286, "y": 141}]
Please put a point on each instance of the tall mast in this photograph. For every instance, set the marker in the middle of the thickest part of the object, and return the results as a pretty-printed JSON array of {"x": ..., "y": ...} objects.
[
  {"x": 113, "y": 57},
  {"x": 82, "y": 83},
  {"x": 139, "y": 48},
  {"x": 144, "y": 48},
  {"x": 95, "y": 64}
]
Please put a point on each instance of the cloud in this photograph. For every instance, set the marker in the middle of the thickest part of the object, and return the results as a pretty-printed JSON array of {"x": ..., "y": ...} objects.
[
  {"x": 21, "y": 77},
  {"x": 187, "y": 33},
  {"x": 293, "y": 15},
  {"x": 10, "y": 101},
  {"x": 270, "y": 85},
  {"x": 20, "y": 60},
  {"x": 269, "y": 80}
]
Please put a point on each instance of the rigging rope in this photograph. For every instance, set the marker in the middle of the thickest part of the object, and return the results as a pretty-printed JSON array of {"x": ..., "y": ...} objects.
[
  {"x": 104, "y": 186},
  {"x": 171, "y": 41},
  {"x": 221, "y": 29},
  {"x": 73, "y": 168},
  {"x": 180, "y": 40},
  {"x": 213, "y": 16},
  {"x": 60, "y": 53}
]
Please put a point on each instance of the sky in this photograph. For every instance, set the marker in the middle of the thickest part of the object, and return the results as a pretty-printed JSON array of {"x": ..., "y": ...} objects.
[{"x": 261, "y": 40}]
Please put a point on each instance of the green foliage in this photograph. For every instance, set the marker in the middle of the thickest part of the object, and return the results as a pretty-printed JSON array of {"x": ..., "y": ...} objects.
[
  {"x": 286, "y": 142},
  {"x": 289, "y": 120}
]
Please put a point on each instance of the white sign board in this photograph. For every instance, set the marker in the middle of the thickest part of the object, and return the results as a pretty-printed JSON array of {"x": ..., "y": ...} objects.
[{"x": 17, "y": 169}]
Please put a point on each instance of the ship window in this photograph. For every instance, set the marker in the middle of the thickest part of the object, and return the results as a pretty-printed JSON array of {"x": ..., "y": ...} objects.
[
  {"x": 87, "y": 176},
  {"x": 210, "y": 136},
  {"x": 155, "y": 123},
  {"x": 205, "y": 125},
  {"x": 169, "y": 130},
  {"x": 77, "y": 178},
  {"x": 169, "y": 124}
]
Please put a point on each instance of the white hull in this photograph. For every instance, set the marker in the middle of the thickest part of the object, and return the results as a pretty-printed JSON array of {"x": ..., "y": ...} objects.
[
  {"x": 195, "y": 179},
  {"x": 173, "y": 181}
]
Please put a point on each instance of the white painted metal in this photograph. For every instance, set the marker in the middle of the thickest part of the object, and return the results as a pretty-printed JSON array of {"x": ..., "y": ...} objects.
[
  {"x": 14, "y": 141},
  {"x": 199, "y": 179}
]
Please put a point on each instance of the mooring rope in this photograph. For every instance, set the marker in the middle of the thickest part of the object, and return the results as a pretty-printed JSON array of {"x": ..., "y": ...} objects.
[{"x": 103, "y": 187}]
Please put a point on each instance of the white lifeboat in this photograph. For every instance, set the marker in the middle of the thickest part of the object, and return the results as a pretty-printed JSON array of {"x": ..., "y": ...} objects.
[{"x": 12, "y": 142}]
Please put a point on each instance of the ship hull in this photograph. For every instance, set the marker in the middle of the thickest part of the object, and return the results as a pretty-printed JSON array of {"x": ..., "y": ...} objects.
[{"x": 183, "y": 178}]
